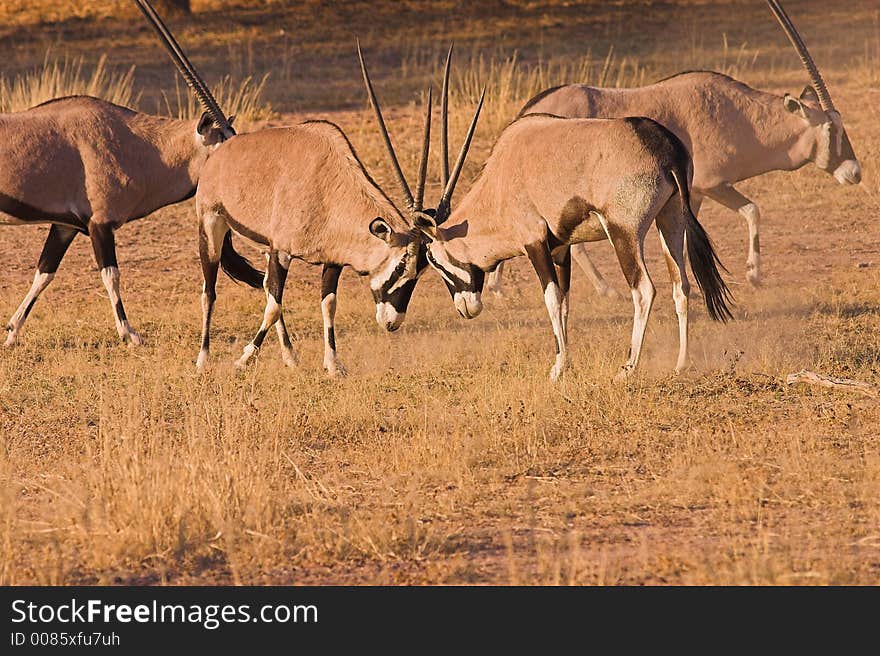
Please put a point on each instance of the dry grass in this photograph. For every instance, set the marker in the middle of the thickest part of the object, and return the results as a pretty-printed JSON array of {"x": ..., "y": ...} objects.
[
  {"x": 446, "y": 457},
  {"x": 66, "y": 76}
]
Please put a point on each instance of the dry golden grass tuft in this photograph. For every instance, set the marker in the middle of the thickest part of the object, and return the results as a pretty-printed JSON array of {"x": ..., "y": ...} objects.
[{"x": 446, "y": 456}]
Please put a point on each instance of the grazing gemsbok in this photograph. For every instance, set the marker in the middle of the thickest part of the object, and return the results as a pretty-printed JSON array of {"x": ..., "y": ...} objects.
[
  {"x": 551, "y": 182},
  {"x": 88, "y": 166},
  {"x": 732, "y": 131},
  {"x": 303, "y": 193}
]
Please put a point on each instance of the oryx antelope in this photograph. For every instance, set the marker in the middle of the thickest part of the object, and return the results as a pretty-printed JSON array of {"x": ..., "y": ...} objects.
[
  {"x": 303, "y": 193},
  {"x": 87, "y": 166},
  {"x": 552, "y": 182},
  {"x": 732, "y": 131}
]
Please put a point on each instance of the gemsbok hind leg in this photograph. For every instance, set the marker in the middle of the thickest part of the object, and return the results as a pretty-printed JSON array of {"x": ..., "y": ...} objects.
[
  {"x": 329, "y": 283},
  {"x": 541, "y": 258},
  {"x": 670, "y": 225},
  {"x": 104, "y": 246},
  {"x": 629, "y": 247},
  {"x": 273, "y": 283},
  {"x": 57, "y": 242}
]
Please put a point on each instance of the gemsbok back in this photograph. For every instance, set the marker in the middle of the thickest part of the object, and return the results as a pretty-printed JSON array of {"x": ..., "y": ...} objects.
[
  {"x": 302, "y": 193},
  {"x": 732, "y": 131},
  {"x": 87, "y": 166},
  {"x": 551, "y": 182}
]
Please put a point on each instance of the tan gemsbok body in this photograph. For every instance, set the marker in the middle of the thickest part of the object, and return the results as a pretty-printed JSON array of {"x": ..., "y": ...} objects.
[
  {"x": 303, "y": 193},
  {"x": 732, "y": 131},
  {"x": 552, "y": 182},
  {"x": 87, "y": 166}
]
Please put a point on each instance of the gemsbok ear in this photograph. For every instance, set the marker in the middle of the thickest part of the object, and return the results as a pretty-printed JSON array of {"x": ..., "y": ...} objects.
[
  {"x": 794, "y": 105},
  {"x": 379, "y": 228},
  {"x": 809, "y": 93},
  {"x": 205, "y": 124},
  {"x": 426, "y": 224}
]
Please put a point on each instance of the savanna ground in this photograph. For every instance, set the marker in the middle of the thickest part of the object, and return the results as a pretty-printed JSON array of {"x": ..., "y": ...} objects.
[{"x": 446, "y": 456}]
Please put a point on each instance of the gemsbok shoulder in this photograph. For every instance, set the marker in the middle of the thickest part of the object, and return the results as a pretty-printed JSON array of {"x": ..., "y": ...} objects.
[
  {"x": 733, "y": 132},
  {"x": 301, "y": 192},
  {"x": 87, "y": 166},
  {"x": 551, "y": 182}
]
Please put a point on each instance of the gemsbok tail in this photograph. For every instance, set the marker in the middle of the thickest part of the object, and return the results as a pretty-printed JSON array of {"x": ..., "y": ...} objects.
[
  {"x": 704, "y": 259},
  {"x": 237, "y": 266}
]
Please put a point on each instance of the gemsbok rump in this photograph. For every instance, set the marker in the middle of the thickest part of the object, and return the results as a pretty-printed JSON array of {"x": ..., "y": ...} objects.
[
  {"x": 552, "y": 182},
  {"x": 88, "y": 166},
  {"x": 303, "y": 193},
  {"x": 732, "y": 131}
]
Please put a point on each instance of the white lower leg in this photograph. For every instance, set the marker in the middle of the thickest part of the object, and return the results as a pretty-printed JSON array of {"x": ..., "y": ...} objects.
[
  {"x": 680, "y": 296},
  {"x": 287, "y": 354},
  {"x": 579, "y": 253},
  {"x": 204, "y": 355},
  {"x": 41, "y": 281},
  {"x": 110, "y": 277},
  {"x": 493, "y": 284},
  {"x": 270, "y": 316},
  {"x": 643, "y": 298},
  {"x": 331, "y": 361},
  {"x": 753, "y": 265},
  {"x": 554, "y": 302}
]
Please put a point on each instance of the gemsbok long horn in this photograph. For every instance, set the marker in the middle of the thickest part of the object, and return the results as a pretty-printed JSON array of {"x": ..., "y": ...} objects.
[
  {"x": 395, "y": 164},
  {"x": 801, "y": 48},
  {"x": 187, "y": 70},
  {"x": 423, "y": 164},
  {"x": 444, "y": 125},
  {"x": 444, "y": 205}
]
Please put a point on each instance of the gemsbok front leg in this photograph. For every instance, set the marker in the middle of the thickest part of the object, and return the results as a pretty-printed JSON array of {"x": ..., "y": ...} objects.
[
  {"x": 287, "y": 354},
  {"x": 104, "y": 246},
  {"x": 731, "y": 199},
  {"x": 209, "y": 254},
  {"x": 629, "y": 246},
  {"x": 329, "y": 283},
  {"x": 57, "y": 243},
  {"x": 579, "y": 251},
  {"x": 276, "y": 276},
  {"x": 542, "y": 260}
]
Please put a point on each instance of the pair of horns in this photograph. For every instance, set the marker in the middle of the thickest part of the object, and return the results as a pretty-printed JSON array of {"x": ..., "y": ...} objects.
[
  {"x": 815, "y": 77},
  {"x": 187, "y": 70},
  {"x": 414, "y": 203}
]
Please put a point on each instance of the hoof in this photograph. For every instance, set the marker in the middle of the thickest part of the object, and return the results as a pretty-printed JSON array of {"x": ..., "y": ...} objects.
[
  {"x": 135, "y": 339},
  {"x": 288, "y": 358},
  {"x": 625, "y": 372},
  {"x": 246, "y": 357},
  {"x": 754, "y": 278},
  {"x": 335, "y": 369},
  {"x": 558, "y": 370},
  {"x": 202, "y": 362}
]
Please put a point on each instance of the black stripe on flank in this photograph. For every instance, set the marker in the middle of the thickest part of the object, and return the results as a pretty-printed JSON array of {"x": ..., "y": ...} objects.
[{"x": 26, "y": 212}]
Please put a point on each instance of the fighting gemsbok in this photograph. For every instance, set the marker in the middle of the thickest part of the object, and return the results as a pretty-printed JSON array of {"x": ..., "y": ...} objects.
[
  {"x": 87, "y": 166},
  {"x": 302, "y": 193},
  {"x": 552, "y": 182},
  {"x": 732, "y": 131}
]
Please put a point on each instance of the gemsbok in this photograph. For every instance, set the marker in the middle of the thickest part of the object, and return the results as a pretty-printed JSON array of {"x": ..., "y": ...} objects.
[
  {"x": 732, "y": 131},
  {"x": 302, "y": 193},
  {"x": 551, "y": 182},
  {"x": 84, "y": 165}
]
